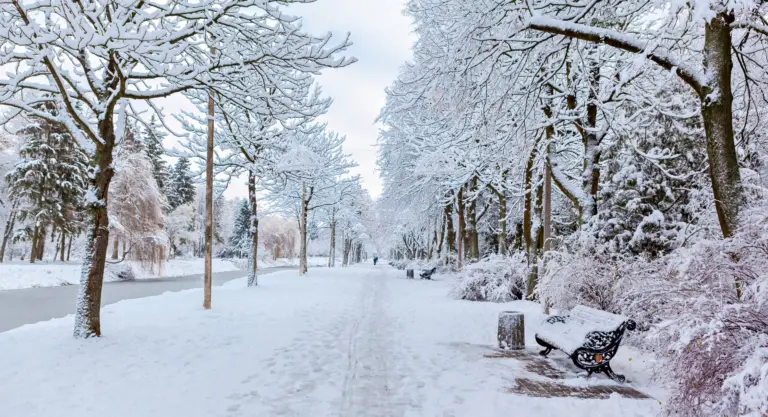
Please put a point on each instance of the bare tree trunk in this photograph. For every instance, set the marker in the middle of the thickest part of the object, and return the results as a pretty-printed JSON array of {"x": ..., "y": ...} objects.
[
  {"x": 63, "y": 246},
  {"x": 69, "y": 247},
  {"x": 10, "y": 223},
  {"x": 33, "y": 250},
  {"x": 87, "y": 315},
  {"x": 460, "y": 213},
  {"x": 442, "y": 238},
  {"x": 450, "y": 238},
  {"x": 116, "y": 247},
  {"x": 208, "y": 277},
  {"x": 535, "y": 250},
  {"x": 303, "y": 231},
  {"x": 254, "y": 231},
  {"x": 717, "y": 113},
  {"x": 502, "y": 224},
  {"x": 547, "y": 214},
  {"x": 41, "y": 244},
  {"x": 332, "y": 250}
]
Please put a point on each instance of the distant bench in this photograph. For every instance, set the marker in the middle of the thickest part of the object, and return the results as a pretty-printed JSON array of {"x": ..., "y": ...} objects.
[{"x": 589, "y": 336}]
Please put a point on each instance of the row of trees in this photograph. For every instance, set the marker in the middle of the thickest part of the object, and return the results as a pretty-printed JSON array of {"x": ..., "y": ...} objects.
[
  {"x": 246, "y": 61},
  {"x": 586, "y": 141}
]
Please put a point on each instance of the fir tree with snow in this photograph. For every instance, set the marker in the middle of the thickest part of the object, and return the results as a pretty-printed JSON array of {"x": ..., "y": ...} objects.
[
  {"x": 153, "y": 137},
  {"x": 48, "y": 182},
  {"x": 181, "y": 188},
  {"x": 239, "y": 244}
]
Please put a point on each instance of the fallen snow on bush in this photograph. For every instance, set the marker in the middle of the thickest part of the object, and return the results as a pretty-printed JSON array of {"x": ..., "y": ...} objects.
[{"x": 495, "y": 278}]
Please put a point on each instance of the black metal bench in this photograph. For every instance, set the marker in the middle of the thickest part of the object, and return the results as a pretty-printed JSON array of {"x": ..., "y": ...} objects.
[
  {"x": 589, "y": 336},
  {"x": 427, "y": 274}
]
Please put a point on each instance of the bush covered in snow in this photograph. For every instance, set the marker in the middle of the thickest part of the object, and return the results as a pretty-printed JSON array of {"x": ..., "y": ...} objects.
[
  {"x": 705, "y": 308},
  {"x": 709, "y": 309},
  {"x": 495, "y": 278}
]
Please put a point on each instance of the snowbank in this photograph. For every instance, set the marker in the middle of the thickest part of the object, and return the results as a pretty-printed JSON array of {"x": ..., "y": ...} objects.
[
  {"x": 344, "y": 341},
  {"x": 17, "y": 275}
]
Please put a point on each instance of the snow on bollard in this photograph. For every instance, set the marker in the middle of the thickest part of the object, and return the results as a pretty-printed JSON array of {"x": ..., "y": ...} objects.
[
  {"x": 409, "y": 273},
  {"x": 511, "y": 330}
]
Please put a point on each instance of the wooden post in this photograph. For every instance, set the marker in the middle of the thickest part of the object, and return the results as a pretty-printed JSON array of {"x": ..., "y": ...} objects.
[
  {"x": 208, "y": 276},
  {"x": 511, "y": 333},
  {"x": 409, "y": 273}
]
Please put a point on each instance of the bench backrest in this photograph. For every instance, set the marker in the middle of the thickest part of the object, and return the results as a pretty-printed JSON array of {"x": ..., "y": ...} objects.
[{"x": 597, "y": 319}]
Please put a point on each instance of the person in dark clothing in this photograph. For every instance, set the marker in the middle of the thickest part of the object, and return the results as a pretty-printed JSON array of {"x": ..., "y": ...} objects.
[{"x": 375, "y": 259}]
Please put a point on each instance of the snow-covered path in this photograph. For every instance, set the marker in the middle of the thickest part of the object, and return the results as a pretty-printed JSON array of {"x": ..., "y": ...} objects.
[{"x": 358, "y": 341}]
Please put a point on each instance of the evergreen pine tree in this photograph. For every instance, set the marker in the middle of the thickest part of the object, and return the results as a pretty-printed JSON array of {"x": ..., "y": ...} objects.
[
  {"x": 239, "y": 241},
  {"x": 181, "y": 188},
  {"x": 49, "y": 181},
  {"x": 153, "y": 138}
]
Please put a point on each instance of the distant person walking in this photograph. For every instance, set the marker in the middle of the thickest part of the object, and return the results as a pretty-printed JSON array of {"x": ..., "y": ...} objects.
[{"x": 375, "y": 259}]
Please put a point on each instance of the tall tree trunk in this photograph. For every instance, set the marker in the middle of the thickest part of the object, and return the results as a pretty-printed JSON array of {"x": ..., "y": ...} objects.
[
  {"x": 69, "y": 247},
  {"x": 253, "y": 230},
  {"x": 535, "y": 250},
  {"x": 442, "y": 238},
  {"x": 35, "y": 240},
  {"x": 502, "y": 224},
  {"x": 460, "y": 213},
  {"x": 547, "y": 214},
  {"x": 303, "y": 231},
  {"x": 41, "y": 243},
  {"x": 10, "y": 223},
  {"x": 450, "y": 238},
  {"x": 473, "y": 235},
  {"x": 591, "y": 140},
  {"x": 332, "y": 249},
  {"x": 63, "y": 246},
  {"x": 208, "y": 277},
  {"x": 87, "y": 315},
  {"x": 717, "y": 114}
]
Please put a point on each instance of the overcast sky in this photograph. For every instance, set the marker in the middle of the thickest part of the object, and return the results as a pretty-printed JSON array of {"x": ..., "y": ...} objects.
[{"x": 382, "y": 40}]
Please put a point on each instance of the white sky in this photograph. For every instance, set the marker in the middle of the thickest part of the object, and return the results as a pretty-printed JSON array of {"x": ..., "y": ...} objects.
[{"x": 382, "y": 39}]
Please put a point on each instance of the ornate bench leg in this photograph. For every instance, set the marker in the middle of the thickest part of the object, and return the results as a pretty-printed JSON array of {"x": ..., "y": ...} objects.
[
  {"x": 614, "y": 376},
  {"x": 547, "y": 347}
]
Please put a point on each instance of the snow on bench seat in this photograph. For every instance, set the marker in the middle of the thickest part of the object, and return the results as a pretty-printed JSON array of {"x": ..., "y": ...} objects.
[{"x": 570, "y": 332}]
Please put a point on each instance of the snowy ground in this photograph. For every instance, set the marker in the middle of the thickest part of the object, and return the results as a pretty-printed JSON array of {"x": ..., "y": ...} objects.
[
  {"x": 17, "y": 274},
  {"x": 359, "y": 341}
]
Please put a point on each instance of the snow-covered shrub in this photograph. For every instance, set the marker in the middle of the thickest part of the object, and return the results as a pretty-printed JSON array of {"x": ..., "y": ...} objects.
[
  {"x": 583, "y": 277},
  {"x": 495, "y": 278},
  {"x": 709, "y": 308}
]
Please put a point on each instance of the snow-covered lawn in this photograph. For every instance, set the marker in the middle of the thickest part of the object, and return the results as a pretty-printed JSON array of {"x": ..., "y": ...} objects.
[
  {"x": 18, "y": 274},
  {"x": 358, "y": 341}
]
